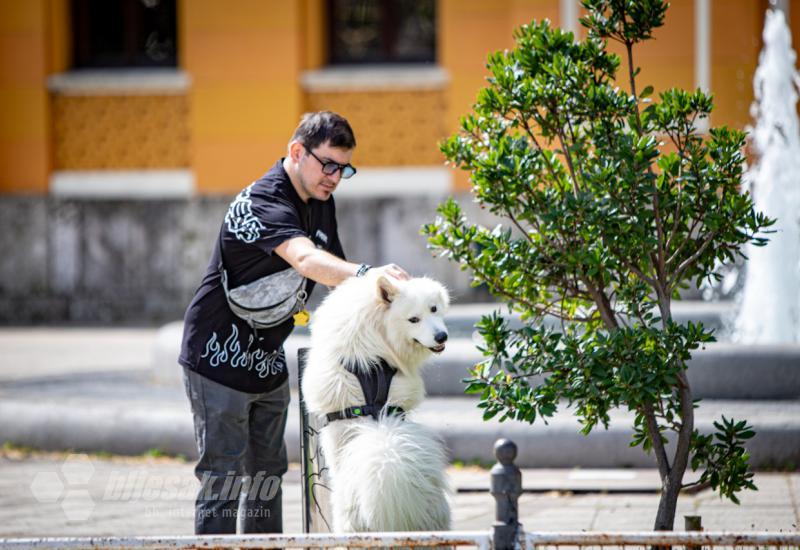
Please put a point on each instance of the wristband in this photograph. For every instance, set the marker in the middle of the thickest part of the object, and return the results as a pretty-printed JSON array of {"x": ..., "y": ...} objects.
[{"x": 362, "y": 269}]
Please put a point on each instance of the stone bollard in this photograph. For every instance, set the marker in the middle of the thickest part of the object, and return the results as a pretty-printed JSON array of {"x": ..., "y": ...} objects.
[
  {"x": 506, "y": 488},
  {"x": 693, "y": 523}
]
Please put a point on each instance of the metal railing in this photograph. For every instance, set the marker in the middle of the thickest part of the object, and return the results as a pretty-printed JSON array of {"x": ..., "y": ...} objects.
[
  {"x": 480, "y": 539},
  {"x": 661, "y": 539},
  {"x": 475, "y": 539}
]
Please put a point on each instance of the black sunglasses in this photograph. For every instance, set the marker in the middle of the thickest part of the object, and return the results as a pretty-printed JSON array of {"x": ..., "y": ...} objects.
[{"x": 329, "y": 168}]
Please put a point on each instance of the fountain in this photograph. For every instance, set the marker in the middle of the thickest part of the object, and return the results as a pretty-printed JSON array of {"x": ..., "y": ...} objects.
[{"x": 769, "y": 303}]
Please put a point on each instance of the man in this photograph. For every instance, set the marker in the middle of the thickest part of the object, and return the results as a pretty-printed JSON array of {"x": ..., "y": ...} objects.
[{"x": 236, "y": 375}]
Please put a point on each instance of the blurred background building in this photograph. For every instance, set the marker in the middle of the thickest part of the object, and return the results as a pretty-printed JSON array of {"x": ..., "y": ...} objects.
[{"x": 126, "y": 126}]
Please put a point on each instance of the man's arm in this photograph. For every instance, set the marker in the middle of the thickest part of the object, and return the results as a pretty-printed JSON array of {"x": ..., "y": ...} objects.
[{"x": 323, "y": 267}]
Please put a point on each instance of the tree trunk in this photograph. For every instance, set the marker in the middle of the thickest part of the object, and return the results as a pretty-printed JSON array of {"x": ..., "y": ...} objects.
[
  {"x": 671, "y": 483},
  {"x": 665, "y": 518}
]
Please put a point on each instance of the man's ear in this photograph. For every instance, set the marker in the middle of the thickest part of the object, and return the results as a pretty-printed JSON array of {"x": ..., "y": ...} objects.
[
  {"x": 295, "y": 151},
  {"x": 386, "y": 290}
]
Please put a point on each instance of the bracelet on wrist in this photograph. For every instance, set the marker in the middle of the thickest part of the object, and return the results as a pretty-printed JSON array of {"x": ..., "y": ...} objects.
[{"x": 362, "y": 269}]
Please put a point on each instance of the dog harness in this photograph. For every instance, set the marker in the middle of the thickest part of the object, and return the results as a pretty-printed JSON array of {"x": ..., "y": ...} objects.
[{"x": 375, "y": 384}]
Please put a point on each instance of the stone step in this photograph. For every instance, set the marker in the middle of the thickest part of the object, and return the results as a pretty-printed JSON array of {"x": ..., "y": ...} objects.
[
  {"x": 461, "y": 318},
  {"x": 720, "y": 371},
  {"x": 94, "y": 391},
  {"x": 559, "y": 442},
  {"x": 144, "y": 422}
]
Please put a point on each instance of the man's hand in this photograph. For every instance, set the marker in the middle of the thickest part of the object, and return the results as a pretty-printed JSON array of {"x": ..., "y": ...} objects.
[{"x": 393, "y": 270}]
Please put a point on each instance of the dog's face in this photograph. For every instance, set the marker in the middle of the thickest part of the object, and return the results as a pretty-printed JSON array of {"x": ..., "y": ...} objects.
[{"x": 415, "y": 311}]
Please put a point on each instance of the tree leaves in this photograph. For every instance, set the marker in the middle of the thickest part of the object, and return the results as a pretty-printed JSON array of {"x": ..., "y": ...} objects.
[
  {"x": 610, "y": 204},
  {"x": 723, "y": 458}
]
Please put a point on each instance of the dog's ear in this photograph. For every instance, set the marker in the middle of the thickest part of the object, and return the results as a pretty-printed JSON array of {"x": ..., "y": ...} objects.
[
  {"x": 386, "y": 290},
  {"x": 445, "y": 297}
]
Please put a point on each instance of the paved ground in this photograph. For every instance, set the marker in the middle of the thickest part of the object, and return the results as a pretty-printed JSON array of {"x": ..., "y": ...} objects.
[{"x": 55, "y": 494}]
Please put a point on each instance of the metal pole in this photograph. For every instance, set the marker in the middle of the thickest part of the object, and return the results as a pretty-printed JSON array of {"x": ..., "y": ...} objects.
[
  {"x": 506, "y": 487},
  {"x": 305, "y": 463},
  {"x": 314, "y": 472}
]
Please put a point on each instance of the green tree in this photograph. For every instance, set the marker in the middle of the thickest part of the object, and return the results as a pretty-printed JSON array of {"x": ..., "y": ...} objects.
[{"x": 612, "y": 203}]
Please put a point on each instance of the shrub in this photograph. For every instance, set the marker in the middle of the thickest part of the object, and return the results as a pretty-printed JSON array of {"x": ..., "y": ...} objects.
[{"x": 612, "y": 203}]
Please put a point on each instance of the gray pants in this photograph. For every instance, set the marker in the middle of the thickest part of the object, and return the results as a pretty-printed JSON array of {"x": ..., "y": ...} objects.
[{"x": 242, "y": 456}]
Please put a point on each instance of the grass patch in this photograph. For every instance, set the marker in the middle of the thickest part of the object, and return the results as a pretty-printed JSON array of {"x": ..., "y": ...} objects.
[
  {"x": 472, "y": 463},
  {"x": 14, "y": 451}
]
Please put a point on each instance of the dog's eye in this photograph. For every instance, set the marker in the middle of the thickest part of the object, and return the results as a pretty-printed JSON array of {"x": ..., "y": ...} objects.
[
  {"x": 433, "y": 309},
  {"x": 414, "y": 320}
]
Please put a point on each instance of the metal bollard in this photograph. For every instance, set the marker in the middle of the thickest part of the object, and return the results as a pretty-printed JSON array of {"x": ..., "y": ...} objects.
[
  {"x": 306, "y": 470},
  {"x": 506, "y": 488},
  {"x": 314, "y": 472}
]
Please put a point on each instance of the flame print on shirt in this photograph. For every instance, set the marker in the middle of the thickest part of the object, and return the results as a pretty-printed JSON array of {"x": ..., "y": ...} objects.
[
  {"x": 240, "y": 219},
  {"x": 230, "y": 353}
]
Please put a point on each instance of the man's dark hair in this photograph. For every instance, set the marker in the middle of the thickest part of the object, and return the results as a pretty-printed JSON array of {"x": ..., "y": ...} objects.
[{"x": 322, "y": 127}]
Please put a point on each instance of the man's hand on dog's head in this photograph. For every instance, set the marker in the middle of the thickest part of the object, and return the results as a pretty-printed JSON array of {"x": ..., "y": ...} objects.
[{"x": 394, "y": 271}]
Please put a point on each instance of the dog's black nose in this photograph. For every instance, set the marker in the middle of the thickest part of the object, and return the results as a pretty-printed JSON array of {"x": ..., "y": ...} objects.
[{"x": 441, "y": 337}]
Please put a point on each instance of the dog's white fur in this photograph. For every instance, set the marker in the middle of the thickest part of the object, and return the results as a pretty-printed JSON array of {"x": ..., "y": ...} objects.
[{"x": 387, "y": 475}]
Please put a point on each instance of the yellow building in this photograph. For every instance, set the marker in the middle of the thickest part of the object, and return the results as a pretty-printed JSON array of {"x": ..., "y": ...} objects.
[{"x": 232, "y": 79}]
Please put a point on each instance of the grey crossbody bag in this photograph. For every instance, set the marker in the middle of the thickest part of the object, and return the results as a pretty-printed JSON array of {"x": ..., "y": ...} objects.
[{"x": 266, "y": 302}]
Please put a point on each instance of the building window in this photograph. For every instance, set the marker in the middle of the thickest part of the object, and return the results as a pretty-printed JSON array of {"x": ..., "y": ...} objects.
[
  {"x": 382, "y": 31},
  {"x": 124, "y": 33}
]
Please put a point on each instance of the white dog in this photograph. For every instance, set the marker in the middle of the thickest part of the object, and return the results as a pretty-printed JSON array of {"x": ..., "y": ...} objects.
[{"x": 387, "y": 472}]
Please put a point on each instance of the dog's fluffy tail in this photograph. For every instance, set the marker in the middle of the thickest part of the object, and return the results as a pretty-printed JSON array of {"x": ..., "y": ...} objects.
[{"x": 395, "y": 471}]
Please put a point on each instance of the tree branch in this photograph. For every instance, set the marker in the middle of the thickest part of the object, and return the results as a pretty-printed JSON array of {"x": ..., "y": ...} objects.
[
  {"x": 655, "y": 439},
  {"x": 532, "y": 137},
  {"x": 603, "y": 305},
  {"x": 632, "y": 78},
  {"x": 681, "y": 457},
  {"x": 649, "y": 280},
  {"x": 518, "y": 225},
  {"x": 498, "y": 288},
  {"x": 568, "y": 157},
  {"x": 696, "y": 486},
  {"x": 691, "y": 259},
  {"x": 565, "y": 149},
  {"x": 677, "y": 214},
  {"x": 694, "y": 224}
]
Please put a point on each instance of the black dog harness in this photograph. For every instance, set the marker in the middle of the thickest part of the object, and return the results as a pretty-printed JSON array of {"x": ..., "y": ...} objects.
[{"x": 375, "y": 384}]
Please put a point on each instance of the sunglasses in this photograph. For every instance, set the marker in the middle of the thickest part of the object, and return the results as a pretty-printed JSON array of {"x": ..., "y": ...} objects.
[{"x": 329, "y": 167}]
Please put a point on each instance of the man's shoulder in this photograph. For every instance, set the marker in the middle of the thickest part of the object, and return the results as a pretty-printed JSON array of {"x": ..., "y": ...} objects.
[
  {"x": 275, "y": 182},
  {"x": 274, "y": 190},
  {"x": 263, "y": 208}
]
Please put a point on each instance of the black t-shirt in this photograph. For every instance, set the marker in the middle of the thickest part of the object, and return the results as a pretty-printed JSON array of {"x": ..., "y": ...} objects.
[{"x": 216, "y": 343}]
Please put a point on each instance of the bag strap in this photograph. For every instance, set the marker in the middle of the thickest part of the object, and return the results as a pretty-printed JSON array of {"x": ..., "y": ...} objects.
[{"x": 221, "y": 264}]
